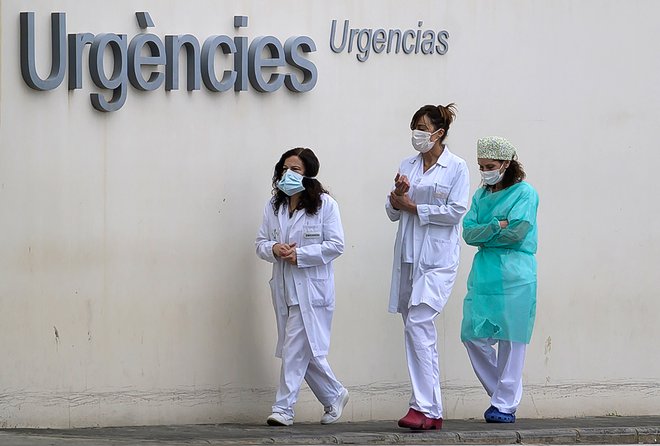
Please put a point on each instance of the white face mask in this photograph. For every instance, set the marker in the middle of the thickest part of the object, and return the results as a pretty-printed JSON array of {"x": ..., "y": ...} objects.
[
  {"x": 492, "y": 177},
  {"x": 421, "y": 140}
]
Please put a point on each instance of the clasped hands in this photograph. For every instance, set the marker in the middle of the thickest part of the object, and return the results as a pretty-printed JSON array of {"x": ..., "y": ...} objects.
[
  {"x": 399, "y": 198},
  {"x": 286, "y": 252}
]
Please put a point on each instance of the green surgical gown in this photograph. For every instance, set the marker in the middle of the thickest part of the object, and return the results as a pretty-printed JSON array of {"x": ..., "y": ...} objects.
[{"x": 501, "y": 296}]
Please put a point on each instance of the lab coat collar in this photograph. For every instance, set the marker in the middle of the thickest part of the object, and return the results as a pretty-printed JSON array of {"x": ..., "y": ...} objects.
[
  {"x": 283, "y": 217},
  {"x": 443, "y": 160},
  {"x": 297, "y": 215}
]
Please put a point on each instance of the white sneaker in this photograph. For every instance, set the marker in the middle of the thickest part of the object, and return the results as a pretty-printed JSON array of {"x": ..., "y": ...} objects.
[
  {"x": 279, "y": 419},
  {"x": 333, "y": 413}
]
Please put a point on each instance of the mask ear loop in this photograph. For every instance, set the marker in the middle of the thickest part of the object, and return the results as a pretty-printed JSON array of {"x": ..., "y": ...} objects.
[{"x": 441, "y": 128}]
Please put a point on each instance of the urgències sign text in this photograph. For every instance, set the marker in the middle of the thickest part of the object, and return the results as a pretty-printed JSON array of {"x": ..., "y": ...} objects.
[{"x": 128, "y": 61}]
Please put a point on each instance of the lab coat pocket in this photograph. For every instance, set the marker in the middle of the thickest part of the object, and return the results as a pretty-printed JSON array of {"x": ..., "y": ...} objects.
[
  {"x": 435, "y": 253},
  {"x": 318, "y": 272},
  {"x": 441, "y": 193},
  {"x": 312, "y": 234},
  {"x": 321, "y": 292}
]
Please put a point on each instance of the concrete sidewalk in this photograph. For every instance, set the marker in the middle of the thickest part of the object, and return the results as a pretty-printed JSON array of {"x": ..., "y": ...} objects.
[{"x": 595, "y": 430}]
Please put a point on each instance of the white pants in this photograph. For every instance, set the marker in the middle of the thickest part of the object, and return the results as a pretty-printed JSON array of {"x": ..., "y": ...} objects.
[
  {"x": 500, "y": 371},
  {"x": 298, "y": 363},
  {"x": 421, "y": 350}
]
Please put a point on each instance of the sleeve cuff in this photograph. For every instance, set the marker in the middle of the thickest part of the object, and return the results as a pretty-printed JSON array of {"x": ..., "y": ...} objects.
[
  {"x": 303, "y": 258},
  {"x": 270, "y": 253},
  {"x": 423, "y": 213}
]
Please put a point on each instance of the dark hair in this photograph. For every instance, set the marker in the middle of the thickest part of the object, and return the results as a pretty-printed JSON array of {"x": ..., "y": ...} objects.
[
  {"x": 310, "y": 198},
  {"x": 512, "y": 175},
  {"x": 440, "y": 116}
]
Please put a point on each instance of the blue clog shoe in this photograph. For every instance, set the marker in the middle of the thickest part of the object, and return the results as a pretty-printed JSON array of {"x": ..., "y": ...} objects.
[{"x": 493, "y": 415}]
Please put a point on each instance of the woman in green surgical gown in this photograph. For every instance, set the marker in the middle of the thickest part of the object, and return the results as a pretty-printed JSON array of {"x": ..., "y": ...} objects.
[{"x": 500, "y": 304}]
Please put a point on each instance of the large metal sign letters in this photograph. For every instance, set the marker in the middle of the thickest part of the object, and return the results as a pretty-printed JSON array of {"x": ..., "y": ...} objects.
[{"x": 130, "y": 61}]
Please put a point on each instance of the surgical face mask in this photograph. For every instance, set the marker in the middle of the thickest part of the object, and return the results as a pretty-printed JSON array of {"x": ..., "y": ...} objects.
[
  {"x": 421, "y": 140},
  {"x": 492, "y": 177},
  {"x": 291, "y": 183}
]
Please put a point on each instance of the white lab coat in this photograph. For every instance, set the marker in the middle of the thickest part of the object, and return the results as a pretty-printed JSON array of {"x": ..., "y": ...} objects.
[
  {"x": 319, "y": 240},
  {"x": 442, "y": 200}
]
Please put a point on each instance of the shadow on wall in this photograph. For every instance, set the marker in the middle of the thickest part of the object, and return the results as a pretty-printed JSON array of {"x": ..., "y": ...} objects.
[{"x": 253, "y": 329}]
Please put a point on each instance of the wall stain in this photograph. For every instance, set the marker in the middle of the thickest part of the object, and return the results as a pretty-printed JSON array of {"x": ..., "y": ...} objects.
[{"x": 546, "y": 352}]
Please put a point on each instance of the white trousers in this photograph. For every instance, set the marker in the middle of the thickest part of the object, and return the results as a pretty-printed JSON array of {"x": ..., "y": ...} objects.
[
  {"x": 421, "y": 350},
  {"x": 299, "y": 363},
  {"x": 500, "y": 371}
]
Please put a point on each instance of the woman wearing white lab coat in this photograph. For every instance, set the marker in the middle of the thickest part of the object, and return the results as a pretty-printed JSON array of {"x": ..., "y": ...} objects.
[
  {"x": 301, "y": 234},
  {"x": 429, "y": 198}
]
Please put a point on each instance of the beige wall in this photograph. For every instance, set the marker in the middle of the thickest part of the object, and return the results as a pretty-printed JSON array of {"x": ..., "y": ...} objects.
[{"x": 129, "y": 288}]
